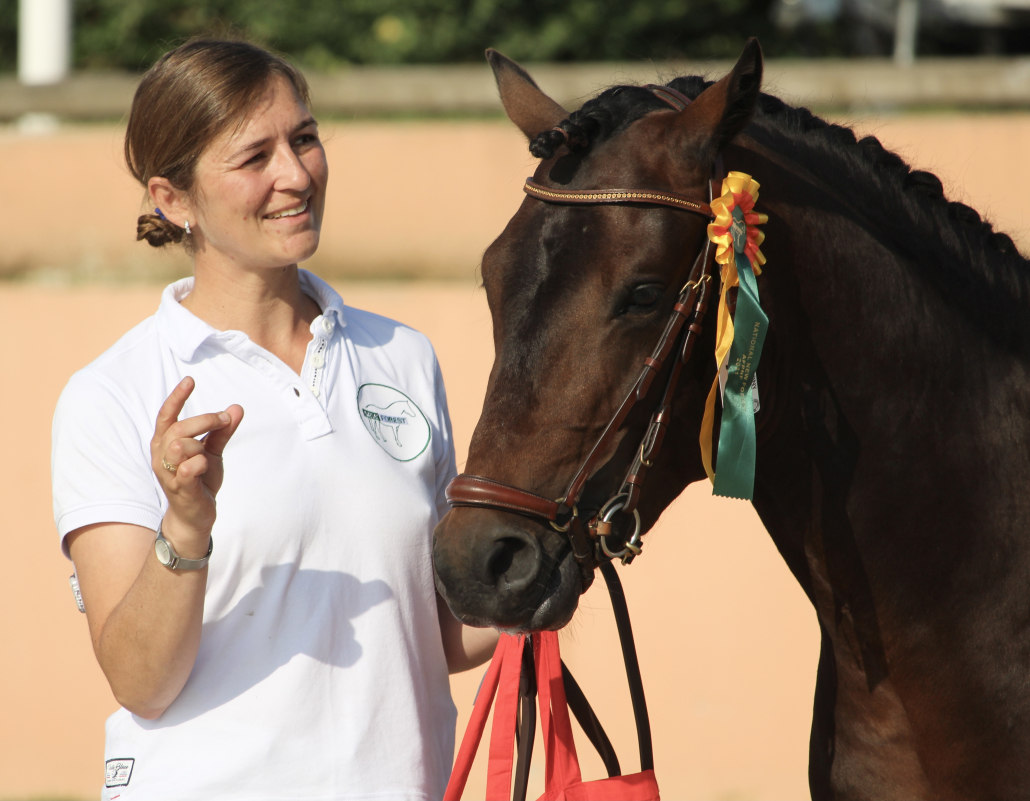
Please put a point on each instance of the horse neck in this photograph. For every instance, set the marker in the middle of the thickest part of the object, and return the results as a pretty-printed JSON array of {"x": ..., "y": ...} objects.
[
  {"x": 868, "y": 372},
  {"x": 891, "y": 474}
]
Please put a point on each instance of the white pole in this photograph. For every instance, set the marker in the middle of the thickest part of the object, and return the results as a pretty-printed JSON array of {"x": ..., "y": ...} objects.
[
  {"x": 44, "y": 41},
  {"x": 905, "y": 32}
]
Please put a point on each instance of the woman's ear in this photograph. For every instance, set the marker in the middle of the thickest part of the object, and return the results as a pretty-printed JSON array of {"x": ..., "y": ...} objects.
[{"x": 174, "y": 203}]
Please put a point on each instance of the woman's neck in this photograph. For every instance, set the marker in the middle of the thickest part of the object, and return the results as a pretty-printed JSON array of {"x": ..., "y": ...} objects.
[{"x": 270, "y": 307}]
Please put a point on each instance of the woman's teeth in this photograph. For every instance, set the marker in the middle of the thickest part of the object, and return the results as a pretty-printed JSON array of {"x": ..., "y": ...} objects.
[{"x": 290, "y": 212}]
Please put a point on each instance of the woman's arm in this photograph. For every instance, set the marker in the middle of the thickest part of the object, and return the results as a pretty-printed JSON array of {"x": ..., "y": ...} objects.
[
  {"x": 466, "y": 647},
  {"x": 145, "y": 618}
]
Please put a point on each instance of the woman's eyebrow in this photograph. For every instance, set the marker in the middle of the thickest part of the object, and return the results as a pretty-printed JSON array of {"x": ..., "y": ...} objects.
[{"x": 260, "y": 143}]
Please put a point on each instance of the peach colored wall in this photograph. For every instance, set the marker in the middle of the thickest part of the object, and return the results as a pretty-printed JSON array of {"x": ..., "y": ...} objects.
[{"x": 727, "y": 642}]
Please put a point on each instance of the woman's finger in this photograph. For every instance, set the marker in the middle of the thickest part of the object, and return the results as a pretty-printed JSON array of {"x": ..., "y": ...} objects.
[
  {"x": 191, "y": 467},
  {"x": 170, "y": 410},
  {"x": 194, "y": 435},
  {"x": 179, "y": 450},
  {"x": 198, "y": 426},
  {"x": 216, "y": 441}
]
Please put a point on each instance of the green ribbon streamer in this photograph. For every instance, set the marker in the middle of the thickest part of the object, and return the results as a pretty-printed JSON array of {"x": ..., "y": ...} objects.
[{"x": 735, "y": 465}]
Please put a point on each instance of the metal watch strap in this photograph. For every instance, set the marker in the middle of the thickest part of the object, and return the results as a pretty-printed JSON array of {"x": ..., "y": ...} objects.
[{"x": 172, "y": 560}]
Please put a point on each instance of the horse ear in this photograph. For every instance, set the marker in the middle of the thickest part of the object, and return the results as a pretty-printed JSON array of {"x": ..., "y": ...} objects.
[
  {"x": 731, "y": 101},
  {"x": 528, "y": 107}
]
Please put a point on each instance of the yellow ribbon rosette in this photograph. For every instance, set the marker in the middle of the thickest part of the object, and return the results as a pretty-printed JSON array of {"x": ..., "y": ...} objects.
[{"x": 739, "y": 190}]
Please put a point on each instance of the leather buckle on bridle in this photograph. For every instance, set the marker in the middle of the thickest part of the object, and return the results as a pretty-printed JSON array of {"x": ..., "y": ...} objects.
[{"x": 563, "y": 528}]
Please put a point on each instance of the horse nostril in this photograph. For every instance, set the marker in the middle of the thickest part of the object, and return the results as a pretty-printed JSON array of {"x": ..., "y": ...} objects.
[{"x": 513, "y": 561}]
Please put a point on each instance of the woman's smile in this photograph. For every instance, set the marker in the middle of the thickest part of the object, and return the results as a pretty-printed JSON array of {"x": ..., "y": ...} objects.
[{"x": 290, "y": 212}]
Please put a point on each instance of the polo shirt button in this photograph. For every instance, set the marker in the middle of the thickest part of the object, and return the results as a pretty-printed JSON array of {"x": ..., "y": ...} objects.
[
  {"x": 328, "y": 325},
  {"x": 318, "y": 360}
]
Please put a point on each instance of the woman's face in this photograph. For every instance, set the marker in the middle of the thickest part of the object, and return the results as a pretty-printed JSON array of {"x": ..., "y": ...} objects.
[{"x": 259, "y": 190}]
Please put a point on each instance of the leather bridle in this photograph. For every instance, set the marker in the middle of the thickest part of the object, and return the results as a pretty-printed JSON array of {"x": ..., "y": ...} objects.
[{"x": 590, "y": 541}]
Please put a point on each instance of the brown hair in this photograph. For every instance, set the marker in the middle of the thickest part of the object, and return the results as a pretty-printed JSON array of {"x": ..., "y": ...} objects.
[{"x": 190, "y": 96}]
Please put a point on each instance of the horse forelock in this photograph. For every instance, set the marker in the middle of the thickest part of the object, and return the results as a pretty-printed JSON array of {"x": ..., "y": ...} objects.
[
  {"x": 980, "y": 268},
  {"x": 598, "y": 119}
]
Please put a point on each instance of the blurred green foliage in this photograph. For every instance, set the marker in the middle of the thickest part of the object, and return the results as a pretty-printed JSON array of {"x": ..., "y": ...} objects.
[
  {"x": 8, "y": 34},
  {"x": 320, "y": 34}
]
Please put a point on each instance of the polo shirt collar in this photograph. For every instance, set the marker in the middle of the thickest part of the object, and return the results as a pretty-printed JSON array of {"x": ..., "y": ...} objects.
[
  {"x": 186, "y": 332},
  {"x": 327, "y": 298}
]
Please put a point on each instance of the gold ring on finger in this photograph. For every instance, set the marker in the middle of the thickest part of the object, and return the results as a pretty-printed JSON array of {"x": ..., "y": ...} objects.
[{"x": 171, "y": 468}]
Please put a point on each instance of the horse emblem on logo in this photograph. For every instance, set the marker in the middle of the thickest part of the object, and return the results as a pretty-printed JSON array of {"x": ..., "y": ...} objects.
[{"x": 394, "y": 421}]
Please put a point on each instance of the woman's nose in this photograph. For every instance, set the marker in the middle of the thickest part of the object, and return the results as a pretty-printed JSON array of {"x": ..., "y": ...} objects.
[{"x": 291, "y": 172}]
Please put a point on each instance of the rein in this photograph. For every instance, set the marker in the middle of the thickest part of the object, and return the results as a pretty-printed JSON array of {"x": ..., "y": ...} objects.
[{"x": 590, "y": 541}]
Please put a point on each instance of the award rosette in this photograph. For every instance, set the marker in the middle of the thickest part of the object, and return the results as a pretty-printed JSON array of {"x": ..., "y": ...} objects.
[{"x": 739, "y": 338}]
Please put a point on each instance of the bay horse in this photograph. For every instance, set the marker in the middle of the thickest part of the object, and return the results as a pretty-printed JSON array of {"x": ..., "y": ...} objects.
[{"x": 891, "y": 422}]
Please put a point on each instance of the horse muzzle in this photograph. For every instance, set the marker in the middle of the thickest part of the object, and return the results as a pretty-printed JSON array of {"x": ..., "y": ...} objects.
[{"x": 506, "y": 571}]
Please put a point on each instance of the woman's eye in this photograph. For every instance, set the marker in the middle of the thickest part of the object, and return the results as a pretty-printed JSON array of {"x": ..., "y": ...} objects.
[{"x": 642, "y": 298}]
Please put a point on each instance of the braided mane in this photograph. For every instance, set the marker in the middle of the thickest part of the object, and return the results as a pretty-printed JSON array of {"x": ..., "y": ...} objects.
[{"x": 974, "y": 266}]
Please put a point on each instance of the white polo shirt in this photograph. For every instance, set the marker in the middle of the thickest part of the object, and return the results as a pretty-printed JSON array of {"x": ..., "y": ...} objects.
[{"x": 321, "y": 672}]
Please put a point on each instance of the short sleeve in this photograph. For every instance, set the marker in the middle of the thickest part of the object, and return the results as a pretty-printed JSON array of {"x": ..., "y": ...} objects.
[
  {"x": 445, "y": 459},
  {"x": 100, "y": 458}
]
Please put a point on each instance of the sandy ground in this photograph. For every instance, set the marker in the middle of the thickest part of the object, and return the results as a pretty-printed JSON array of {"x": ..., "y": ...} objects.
[{"x": 727, "y": 642}]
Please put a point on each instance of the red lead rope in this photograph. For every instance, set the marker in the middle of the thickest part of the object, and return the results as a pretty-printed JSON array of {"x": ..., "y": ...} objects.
[{"x": 557, "y": 693}]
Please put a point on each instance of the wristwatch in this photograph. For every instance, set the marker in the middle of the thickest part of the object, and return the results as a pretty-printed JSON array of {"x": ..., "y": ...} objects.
[{"x": 167, "y": 556}]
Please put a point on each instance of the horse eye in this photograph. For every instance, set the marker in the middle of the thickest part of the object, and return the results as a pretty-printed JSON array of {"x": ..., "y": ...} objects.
[{"x": 642, "y": 298}]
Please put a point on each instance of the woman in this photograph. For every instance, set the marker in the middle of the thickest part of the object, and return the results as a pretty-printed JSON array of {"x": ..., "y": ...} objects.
[{"x": 288, "y": 642}]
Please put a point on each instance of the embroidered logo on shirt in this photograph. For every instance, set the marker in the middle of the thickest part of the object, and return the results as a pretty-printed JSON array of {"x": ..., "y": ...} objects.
[
  {"x": 394, "y": 421},
  {"x": 117, "y": 772}
]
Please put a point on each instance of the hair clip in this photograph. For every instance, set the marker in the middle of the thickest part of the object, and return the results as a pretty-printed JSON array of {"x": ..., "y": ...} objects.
[{"x": 160, "y": 213}]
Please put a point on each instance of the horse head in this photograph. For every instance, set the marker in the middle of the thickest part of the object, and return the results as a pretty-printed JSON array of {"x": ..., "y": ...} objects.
[{"x": 598, "y": 290}]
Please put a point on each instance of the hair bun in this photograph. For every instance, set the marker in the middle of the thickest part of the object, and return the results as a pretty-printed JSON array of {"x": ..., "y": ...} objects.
[{"x": 157, "y": 230}]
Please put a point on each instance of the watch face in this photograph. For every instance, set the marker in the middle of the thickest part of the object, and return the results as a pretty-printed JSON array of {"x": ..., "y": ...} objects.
[{"x": 164, "y": 553}]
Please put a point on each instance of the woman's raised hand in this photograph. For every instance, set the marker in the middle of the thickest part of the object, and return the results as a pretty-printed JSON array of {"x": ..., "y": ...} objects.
[{"x": 186, "y": 456}]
